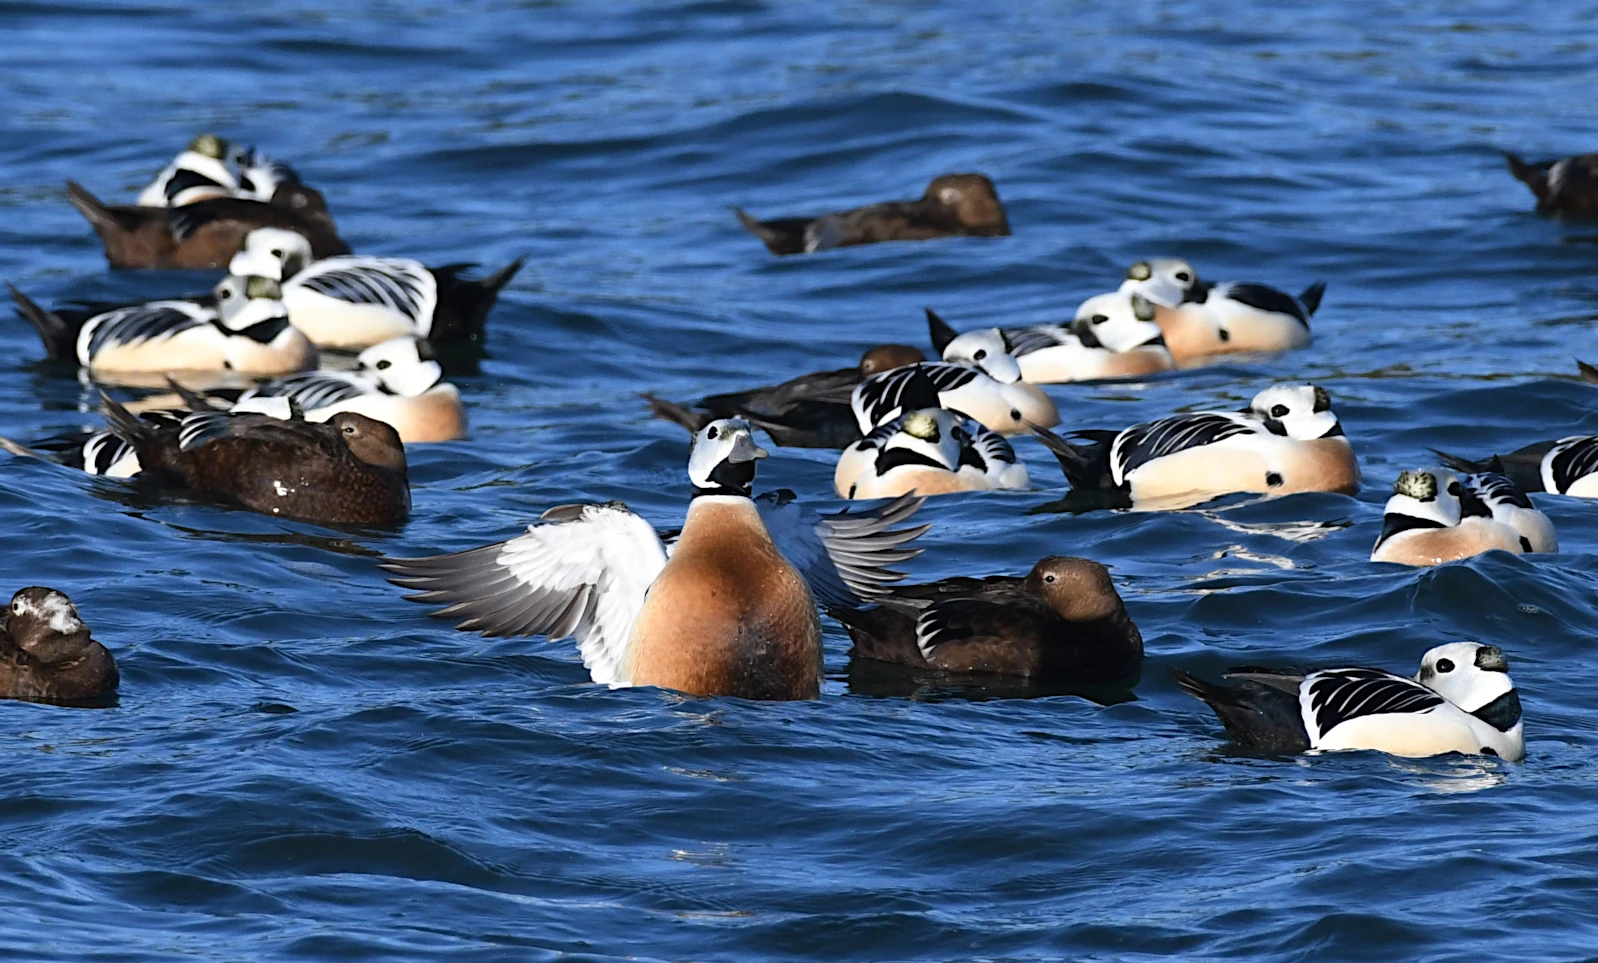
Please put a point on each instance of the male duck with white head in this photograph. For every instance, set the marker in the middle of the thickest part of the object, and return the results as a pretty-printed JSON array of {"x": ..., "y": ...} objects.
[
  {"x": 1113, "y": 336},
  {"x": 728, "y": 609},
  {"x": 1201, "y": 319}
]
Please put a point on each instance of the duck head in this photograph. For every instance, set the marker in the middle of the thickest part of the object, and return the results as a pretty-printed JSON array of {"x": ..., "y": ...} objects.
[
  {"x": 45, "y": 624},
  {"x": 1167, "y": 281},
  {"x": 1078, "y": 589},
  {"x": 932, "y": 432},
  {"x": 1429, "y": 495},
  {"x": 1118, "y": 321},
  {"x": 402, "y": 366},
  {"x": 971, "y": 198},
  {"x": 1303, "y": 412},
  {"x": 987, "y": 350},
  {"x": 271, "y": 252},
  {"x": 253, "y": 307},
  {"x": 1468, "y": 674},
  {"x": 722, "y": 461},
  {"x": 372, "y": 441},
  {"x": 886, "y": 357}
]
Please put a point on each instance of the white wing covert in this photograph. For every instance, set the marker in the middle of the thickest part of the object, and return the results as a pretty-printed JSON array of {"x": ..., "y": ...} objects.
[
  {"x": 581, "y": 571},
  {"x": 399, "y": 284}
]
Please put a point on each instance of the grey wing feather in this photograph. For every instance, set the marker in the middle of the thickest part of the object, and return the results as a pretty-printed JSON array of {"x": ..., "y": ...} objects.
[{"x": 844, "y": 557}]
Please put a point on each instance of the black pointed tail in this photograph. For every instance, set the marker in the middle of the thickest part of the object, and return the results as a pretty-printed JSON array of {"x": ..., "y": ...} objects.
[
  {"x": 940, "y": 331},
  {"x": 60, "y": 338},
  {"x": 1311, "y": 296}
]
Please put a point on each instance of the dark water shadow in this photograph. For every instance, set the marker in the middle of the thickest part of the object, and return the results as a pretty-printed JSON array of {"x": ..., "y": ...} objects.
[{"x": 886, "y": 680}]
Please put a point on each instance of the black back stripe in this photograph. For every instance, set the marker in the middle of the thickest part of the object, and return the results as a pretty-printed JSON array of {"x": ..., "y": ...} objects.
[
  {"x": 881, "y": 394},
  {"x": 369, "y": 283},
  {"x": 903, "y": 457},
  {"x": 1141, "y": 444},
  {"x": 1264, "y": 298},
  {"x": 1492, "y": 487},
  {"x": 1574, "y": 461},
  {"x": 1028, "y": 340},
  {"x": 136, "y": 324},
  {"x": 1339, "y": 695}
]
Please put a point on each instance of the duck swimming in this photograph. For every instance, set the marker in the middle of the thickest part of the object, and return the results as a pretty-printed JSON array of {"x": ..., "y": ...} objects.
[
  {"x": 1561, "y": 186},
  {"x": 953, "y": 205},
  {"x": 810, "y": 411},
  {"x": 1200, "y": 319},
  {"x": 1435, "y": 517},
  {"x": 46, "y": 654},
  {"x": 242, "y": 327},
  {"x": 1288, "y": 440},
  {"x": 1063, "y": 622},
  {"x": 1462, "y": 700},
  {"x": 928, "y": 451},
  {"x": 1566, "y": 466},
  {"x": 206, "y": 233},
  {"x": 202, "y": 164},
  {"x": 988, "y": 390},
  {"x": 354, "y": 302},
  {"x": 729, "y": 608},
  {"x": 1113, "y": 336},
  {"x": 350, "y": 470}
]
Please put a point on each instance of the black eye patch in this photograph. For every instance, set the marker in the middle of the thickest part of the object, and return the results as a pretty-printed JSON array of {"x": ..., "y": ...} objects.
[{"x": 1278, "y": 411}]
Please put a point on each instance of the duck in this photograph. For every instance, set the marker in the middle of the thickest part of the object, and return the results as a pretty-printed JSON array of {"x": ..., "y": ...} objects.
[
  {"x": 952, "y": 205},
  {"x": 242, "y": 327},
  {"x": 1562, "y": 186},
  {"x": 47, "y": 655},
  {"x": 200, "y": 170},
  {"x": 398, "y": 382},
  {"x": 810, "y": 411},
  {"x": 260, "y": 177},
  {"x": 1565, "y": 466},
  {"x": 1113, "y": 336},
  {"x": 988, "y": 390},
  {"x": 1200, "y": 319},
  {"x": 930, "y": 451},
  {"x": 1462, "y": 700},
  {"x": 1287, "y": 440},
  {"x": 349, "y": 470},
  {"x": 205, "y": 233},
  {"x": 1435, "y": 517},
  {"x": 729, "y": 608},
  {"x": 350, "y": 302},
  {"x": 1063, "y": 623}
]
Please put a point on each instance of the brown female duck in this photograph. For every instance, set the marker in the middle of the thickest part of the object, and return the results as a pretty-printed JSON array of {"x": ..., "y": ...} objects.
[
  {"x": 953, "y": 205},
  {"x": 1063, "y": 622},
  {"x": 349, "y": 470},
  {"x": 46, "y": 654},
  {"x": 205, "y": 234},
  {"x": 1563, "y": 186},
  {"x": 810, "y": 411}
]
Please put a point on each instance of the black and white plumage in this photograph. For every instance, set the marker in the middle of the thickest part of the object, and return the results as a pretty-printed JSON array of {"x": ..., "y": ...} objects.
[
  {"x": 1109, "y": 338},
  {"x": 1462, "y": 700},
  {"x": 259, "y": 176},
  {"x": 928, "y": 451},
  {"x": 199, "y": 172},
  {"x": 241, "y": 326},
  {"x": 1566, "y": 466},
  {"x": 1435, "y": 517},
  {"x": 1006, "y": 408},
  {"x": 355, "y": 302},
  {"x": 1200, "y": 318},
  {"x": 603, "y": 574},
  {"x": 1287, "y": 440}
]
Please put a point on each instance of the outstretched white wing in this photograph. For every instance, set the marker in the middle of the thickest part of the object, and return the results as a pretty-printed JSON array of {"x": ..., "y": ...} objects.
[
  {"x": 580, "y": 571},
  {"x": 844, "y": 557}
]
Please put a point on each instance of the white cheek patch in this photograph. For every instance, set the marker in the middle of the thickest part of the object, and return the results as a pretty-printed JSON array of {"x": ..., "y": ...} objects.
[{"x": 55, "y": 610}]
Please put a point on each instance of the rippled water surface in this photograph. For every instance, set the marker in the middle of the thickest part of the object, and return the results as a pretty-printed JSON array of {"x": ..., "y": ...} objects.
[{"x": 302, "y": 767}]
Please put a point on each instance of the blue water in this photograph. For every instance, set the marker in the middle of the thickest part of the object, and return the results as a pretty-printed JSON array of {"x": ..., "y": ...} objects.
[{"x": 302, "y": 767}]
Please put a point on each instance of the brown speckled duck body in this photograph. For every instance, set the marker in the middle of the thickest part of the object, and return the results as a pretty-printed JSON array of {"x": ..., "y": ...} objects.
[
  {"x": 46, "y": 654},
  {"x": 953, "y": 205},
  {"x": 205, "y": 234},
  {"x": 1063, "y": 622},
  {"x": 810, "y": 411},
  {"x": 349, "y": 470}
]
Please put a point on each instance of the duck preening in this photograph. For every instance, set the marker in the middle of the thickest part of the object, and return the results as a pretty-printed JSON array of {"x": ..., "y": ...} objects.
[
  {"x": 953, "y": 205},
  {"x": 1063, "y": 622},
  {"x": 727, "y": 608},
  {"x": 46, "y": 654},
  {"x": 1462, "y": 700}
]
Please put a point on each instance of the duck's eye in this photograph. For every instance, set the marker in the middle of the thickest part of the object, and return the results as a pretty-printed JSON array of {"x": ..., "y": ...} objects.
[
  {"x": 226, "y": 293},
  {"x": 384, "y": 365},
  {"x": 16, "y": 608},
  {"x": 1445, "y": 665},
  {"x": 349, "y": 429},
  {"x": 1048, "y": 578},
  {"x": 277, "y": 252},
  {"x": 1278, "y": 411},
  {"x": 1183, "y": 276},
  {"x": 981, "y": 354},
  {"x": 1099, "y": 318},
  {"x": 1454, "y": 489},
  {"x": 712, "y": 433}
]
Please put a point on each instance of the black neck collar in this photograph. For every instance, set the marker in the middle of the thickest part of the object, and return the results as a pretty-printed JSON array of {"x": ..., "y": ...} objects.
[{"x": 1502, "y": 713}]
